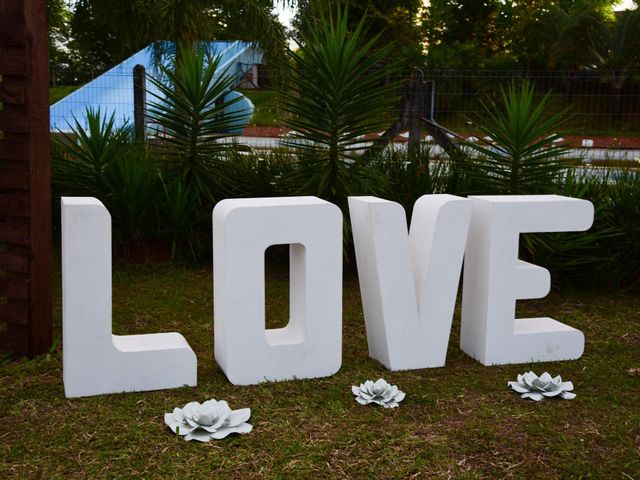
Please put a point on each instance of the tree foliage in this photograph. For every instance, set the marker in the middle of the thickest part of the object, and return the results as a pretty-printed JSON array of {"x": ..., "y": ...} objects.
[
  {"x": 58, "y": 17},
  {"x": 611, "y": 46},
  {"x": 114, "y": 29},
  {"x": 394, "y": 21},
  {"x": 496, "y": 33}
]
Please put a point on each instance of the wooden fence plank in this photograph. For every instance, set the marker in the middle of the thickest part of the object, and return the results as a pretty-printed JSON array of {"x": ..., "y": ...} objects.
[
  {"x": 14, "y": 178},
  {"x": 15, "y": 339},
  {"x": 12, "y": 34},
  {"x": 40, "y": 268},
  {"x": 15, "y": 263},
  {"x": 14, "y": 313},
  {"x": 15, "y": 233},
  {"x": 14, "y": 205},
  {"x": 12, "y": 92},
  {"x": 24, "y": 122},
  {"x": 13, "y": 122},
  {"x": 14, "y": 288},
  {"x": 13, "y": 61},
  {"x": 10, "y": 150}
]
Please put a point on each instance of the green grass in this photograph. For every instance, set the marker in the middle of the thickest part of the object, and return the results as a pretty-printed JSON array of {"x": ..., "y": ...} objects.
[
  {"x": 460, "y": 421},
  {"x": 58, "y": 93},
  {"x": 266, "y": 104}
]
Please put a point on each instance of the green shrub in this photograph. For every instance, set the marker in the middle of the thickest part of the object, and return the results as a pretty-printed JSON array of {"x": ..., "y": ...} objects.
[
  {"x": 336, "y": 93},
  {"x": 523, "y": 158}
]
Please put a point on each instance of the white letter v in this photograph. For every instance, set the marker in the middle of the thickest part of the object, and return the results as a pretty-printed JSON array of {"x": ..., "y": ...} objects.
[{"x": 409, "y": 282}]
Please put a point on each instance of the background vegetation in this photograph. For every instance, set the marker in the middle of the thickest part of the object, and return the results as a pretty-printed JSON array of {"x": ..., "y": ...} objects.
[
  {"x": 456, "y": 422},
  {"x": 161, "y": 193}
]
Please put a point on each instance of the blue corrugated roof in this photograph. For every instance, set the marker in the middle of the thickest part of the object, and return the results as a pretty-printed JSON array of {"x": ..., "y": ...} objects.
[{"x": 112, "y": 92}]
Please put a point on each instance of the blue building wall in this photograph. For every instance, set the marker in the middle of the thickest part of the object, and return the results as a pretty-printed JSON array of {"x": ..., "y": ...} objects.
[{"x": 112, "y": 92}]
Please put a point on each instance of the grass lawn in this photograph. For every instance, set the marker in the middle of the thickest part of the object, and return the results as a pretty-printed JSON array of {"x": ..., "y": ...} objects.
[
  {"x": 460, "y": 421},
  {"x": 265, "y": 101},
  {"x": 58, "y": 93}
]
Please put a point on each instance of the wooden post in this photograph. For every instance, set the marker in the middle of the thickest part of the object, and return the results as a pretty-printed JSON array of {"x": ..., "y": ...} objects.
[
  {"x": 139, "y": 103},
  {"x": 25, "y": 186}
]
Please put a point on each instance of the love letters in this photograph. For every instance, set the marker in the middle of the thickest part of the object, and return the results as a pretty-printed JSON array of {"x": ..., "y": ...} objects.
[{"x": 408, "y": 281}]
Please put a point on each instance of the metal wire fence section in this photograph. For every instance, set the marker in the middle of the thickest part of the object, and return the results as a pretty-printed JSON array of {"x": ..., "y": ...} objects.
[
  {"x": 592, "y": 104},
  {"x": 595, "y": 102},
  {"x": 112, "y": 94}
]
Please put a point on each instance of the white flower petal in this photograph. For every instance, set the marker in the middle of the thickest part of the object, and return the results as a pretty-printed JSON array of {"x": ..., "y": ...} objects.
[
  {"x": 552, "y": 393},
  {"x": 208, "y": 413},
  {"x": 367, "y": 395},
  {"x": 380, "y": 386},
  {"x": 236, "y": 417},
  {"x": 178, "y": 415},
  {"x": 400, "y": 396},
  {"x": 190, "y": 409},
  {"x": 533, "y": 396},
  {"x": 223, "y": 432},
  {"x": 566, "y": 386},
  {"x": 545, "y": 378},
  {"x": 191, "y": 422},
  {"x": 363, "y": 401},
  {"x": 518, "y": 387},
  {"x": 199, "y": 436},
  {"x": 538, "y": 384},
  {"x": 355, "y": 390},
  {"x": 528, "y": 378},
  {"x": 568, "y": 395},
  {"x": 184, "y": 429},
  {"x": 170, "y": 421},
  {"x": 209, "y": 428},
  {"x": 390, "y": 392}
]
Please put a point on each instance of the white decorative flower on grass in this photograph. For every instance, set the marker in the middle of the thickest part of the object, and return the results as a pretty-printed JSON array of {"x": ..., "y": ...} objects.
[
  {"x": 529, "y": 385},
  {"x": 379, "y": 392},
  {"x": 212, "y": 419}
]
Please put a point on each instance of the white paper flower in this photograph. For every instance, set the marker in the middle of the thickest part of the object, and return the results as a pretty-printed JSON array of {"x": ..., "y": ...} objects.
[
  {"x": 529, "y": 385},
  {"x": 379, "y": 392},
  {"x": 212, "y": 419}
]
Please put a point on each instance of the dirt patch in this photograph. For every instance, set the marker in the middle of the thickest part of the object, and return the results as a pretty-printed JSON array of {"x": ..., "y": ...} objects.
[{"x": 632, "y": 338}]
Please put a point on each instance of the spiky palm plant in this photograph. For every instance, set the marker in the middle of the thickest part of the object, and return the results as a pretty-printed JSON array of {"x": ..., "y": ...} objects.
[
  {"x": 524, "y": 156},
  {"x": 84, "y": 158},
  {"x": 336, "y": 94},
  {"x": 189, "y": 114}
]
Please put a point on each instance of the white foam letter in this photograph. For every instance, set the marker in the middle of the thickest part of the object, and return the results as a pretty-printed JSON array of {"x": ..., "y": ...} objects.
[
  {"x": 494, "y": 279},
  {"x": 409, "y": 282},
  {"x": 95, "y": 361},
  {"x": 311, "y": 344}
]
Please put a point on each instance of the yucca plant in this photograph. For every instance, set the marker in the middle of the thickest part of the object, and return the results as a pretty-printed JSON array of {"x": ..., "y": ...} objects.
[
  {"x": 263, "y": 174},
  {"x": 179, "y": 216},
  {"x": 336, "y": 93},
  {"x": 134, "y": 185},
  {"x": 409, "y": 176},
  {"x": 189, "y": 114},
  {"x": 83, "y": 159},
  {"x": 523, "y": 157}
]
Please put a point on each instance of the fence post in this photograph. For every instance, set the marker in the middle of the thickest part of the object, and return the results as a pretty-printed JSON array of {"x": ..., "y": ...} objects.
[
  {"x": 25, "y": 179},
  {"x": 139, "y": 103},
  {"x": 417, "y": 93}
]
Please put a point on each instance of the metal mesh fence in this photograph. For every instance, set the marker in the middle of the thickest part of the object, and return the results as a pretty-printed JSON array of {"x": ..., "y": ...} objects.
[{"x": 592, "y": 103}]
